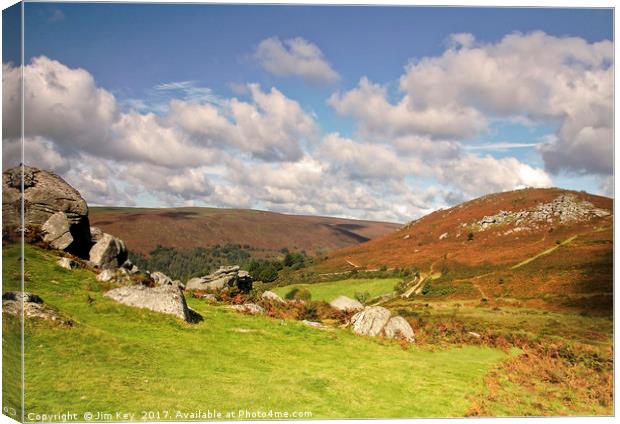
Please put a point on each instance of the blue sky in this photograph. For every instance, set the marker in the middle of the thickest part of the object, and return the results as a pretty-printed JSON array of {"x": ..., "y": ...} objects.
[{"x": 136, "y": 53}]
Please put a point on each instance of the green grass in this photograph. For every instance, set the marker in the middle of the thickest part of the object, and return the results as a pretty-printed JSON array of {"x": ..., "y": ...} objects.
[
  {"x": 529, "y": 322},
  {"x": 118, "y": 358},
  {"x": 330, "y": 290},
  {"x": 11, "y": 346}
]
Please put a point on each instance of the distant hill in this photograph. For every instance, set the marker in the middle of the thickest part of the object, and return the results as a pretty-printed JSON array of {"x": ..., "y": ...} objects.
[
  {"x": 143, "y": 229},
  {"x": 535, "y": 244}
]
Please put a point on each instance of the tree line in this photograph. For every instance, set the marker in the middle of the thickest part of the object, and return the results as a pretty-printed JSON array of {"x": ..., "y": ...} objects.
[{"x": 183, "y": 264}]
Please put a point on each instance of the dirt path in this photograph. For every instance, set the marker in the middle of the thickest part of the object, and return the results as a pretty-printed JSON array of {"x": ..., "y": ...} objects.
[
  {"x": 473, "y": 280},
  {"x": 544, "y": 252}
]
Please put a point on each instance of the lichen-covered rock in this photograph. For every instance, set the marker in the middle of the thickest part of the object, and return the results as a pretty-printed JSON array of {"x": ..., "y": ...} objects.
[
  {"x": 130, "y": 267},
  {"x": 344, "y": 303},
  {"x": 167, "y": 299},
  {"x": 109, "y": 252},
  {"x": 398, "y": 328},
  {"x": 33, "y": 307},
  {"x": 67, "y": 263},
  {"x": 370, "y": 321},
  {"x": 56, "y": 231},
  {"x": 269, "y": 295},
  {"x": 106, "y": 275},
  {"x": 209, "y": 298},
  {"x": 314, "y": 324},
  {"x": 248, "y": 308},
  {"x": 44, "y": 195},
  {"x": 160, "y": 278},
  {"x": 226, "y": 277},
  {"x": 96, "y": 234}
]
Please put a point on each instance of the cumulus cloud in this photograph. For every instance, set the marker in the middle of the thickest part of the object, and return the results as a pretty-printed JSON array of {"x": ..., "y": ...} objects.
[
  {"x": 362, "y": 160},
  {"x": 61, "y": 104},
  {"x": 534, "y": 77},
  {"x": 64, "y": 105},
  {"x": 295, "y": 57},
  {"x": 407, "y": 157},
  {"x": 77, "y": 129},
  {"x": 273, "y": 127},
  {"x": 475, "y": 175},
  {"x": 378, "y": 118}
]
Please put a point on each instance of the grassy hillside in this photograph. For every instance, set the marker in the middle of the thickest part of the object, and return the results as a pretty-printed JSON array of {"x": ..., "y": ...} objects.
[
  {"x": 328, "y": 291},
  {"x": 117, "y": 358},
  {"x": 143, "y": 229}
]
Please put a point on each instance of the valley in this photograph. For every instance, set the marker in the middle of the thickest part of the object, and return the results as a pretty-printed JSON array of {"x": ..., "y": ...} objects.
[{"x": 500, "y": 306}]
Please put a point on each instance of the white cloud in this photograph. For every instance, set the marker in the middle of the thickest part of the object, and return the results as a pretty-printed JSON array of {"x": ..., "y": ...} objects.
[
  {"x": 378, "y": 118},
  {"x": 37, "y": 151},
  {"x": 187, "y": 90},
  {"x": 500, "y": 146},
  {"x": 263, "y": 150},
  {"x": 75, "y": 128},
  {"x": 534, "y": 76},
  {"x": 295, "y": 57},
  {"x": 61, "y": 104},
  {"x": 272, "y": 127},
  {"x": 362, "y": 160},
  {"x": 475, "y": 175}
]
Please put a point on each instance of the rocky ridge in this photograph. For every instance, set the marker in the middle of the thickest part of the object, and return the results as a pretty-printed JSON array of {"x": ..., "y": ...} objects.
[{"x": 565, "y": 209}]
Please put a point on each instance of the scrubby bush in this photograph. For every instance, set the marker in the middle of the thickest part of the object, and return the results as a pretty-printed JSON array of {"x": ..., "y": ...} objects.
[
  {"x": 291, "y": 294},
  {"x": 309, "y": 312},
  {"x": 303, "y": 294},
  {"x": 264, "y": 270},
  {"x": 362, "y": 297},
  {"x": 400, "y": 287}
]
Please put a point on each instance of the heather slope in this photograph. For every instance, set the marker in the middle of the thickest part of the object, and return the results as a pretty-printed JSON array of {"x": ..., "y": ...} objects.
[
  {"x": 143, "y": 229},
  {"x": 535, "y": 244}
]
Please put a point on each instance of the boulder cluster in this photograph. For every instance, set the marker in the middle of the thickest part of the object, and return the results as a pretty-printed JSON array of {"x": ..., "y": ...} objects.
[
  {"x": 55, "y": 213},
  {"x": 377, "y": 321},
  {"x": 226, "y": 277},
  {"x": 564, "y": 209}
]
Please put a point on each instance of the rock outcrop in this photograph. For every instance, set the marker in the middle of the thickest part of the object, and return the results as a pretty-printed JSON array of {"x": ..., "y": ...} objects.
[
  {"x": 226, "y": 277},
  {"x": 106, "y": 275},
  {"x": 57, "y": 213},
  {"x": 67, "y": 263},
  {"x": 370, "y": 321},
  {"x": 398, "y": 328},
  {"x": 377, "y": 321},
  {"x": 344, "y": 303},
  {"x": 33, "y": 305},
  {"x": 45, "y": 194},
  {"x": 271, "y": 296},
  {"x": 57, "y": 232},
  {"x": 108, "y": 252},
  {"x": 167, "y": 299},
  {"x": 248, "y": 308},
  {"x": 564, "y": 209},
  {"x": 161, "y": 279}
]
